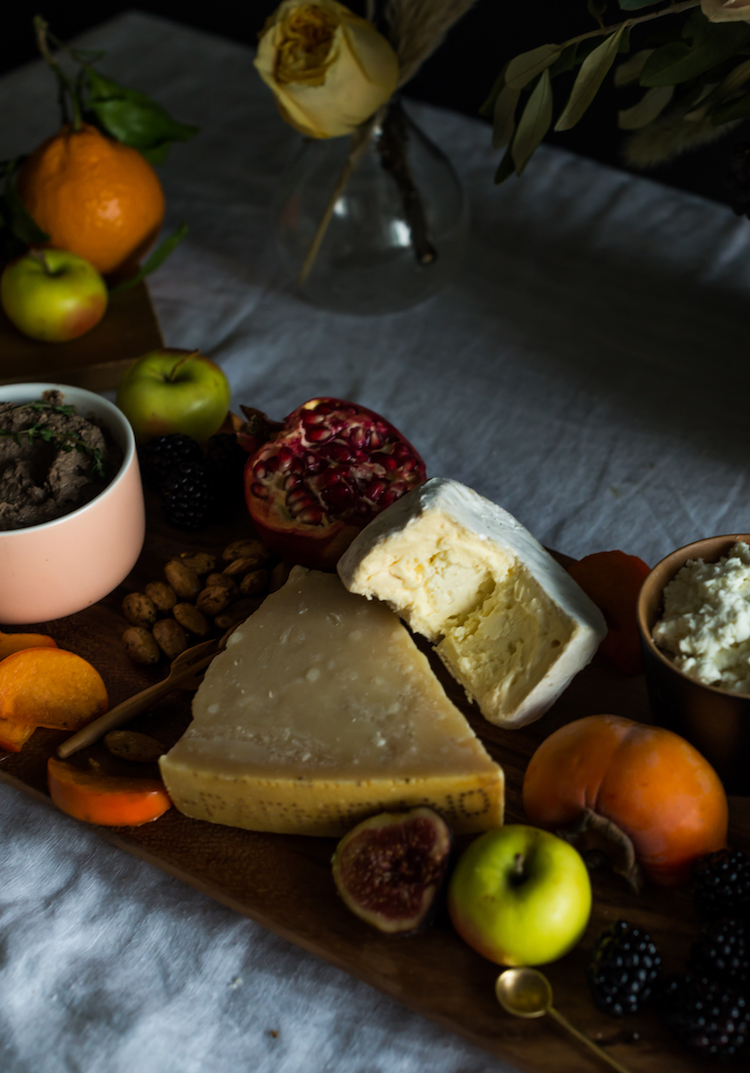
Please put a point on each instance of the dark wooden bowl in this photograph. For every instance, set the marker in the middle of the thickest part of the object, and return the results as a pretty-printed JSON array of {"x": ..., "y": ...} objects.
[{"x": 716, "y": 722}]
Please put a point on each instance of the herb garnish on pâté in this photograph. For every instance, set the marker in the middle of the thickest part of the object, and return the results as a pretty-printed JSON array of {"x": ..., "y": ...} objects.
[{"x": 65, "y": 441}]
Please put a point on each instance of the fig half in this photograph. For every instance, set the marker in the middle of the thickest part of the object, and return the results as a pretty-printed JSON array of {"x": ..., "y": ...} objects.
[{"x": 390, "y": 868}]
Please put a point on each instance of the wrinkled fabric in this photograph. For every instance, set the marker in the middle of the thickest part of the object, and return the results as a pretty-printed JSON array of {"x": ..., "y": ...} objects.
[{"x": 588, "y": 370}]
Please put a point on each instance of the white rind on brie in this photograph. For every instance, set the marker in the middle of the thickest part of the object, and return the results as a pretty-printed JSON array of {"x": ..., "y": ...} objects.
[{"x": 507, "y": 620}]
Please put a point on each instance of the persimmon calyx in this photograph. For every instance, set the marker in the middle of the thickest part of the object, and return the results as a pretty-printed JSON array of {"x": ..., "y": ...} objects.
[{"x": 623, "y": 859}]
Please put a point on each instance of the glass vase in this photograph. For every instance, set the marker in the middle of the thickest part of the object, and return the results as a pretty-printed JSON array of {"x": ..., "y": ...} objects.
[{"x": 372, "y": 224}]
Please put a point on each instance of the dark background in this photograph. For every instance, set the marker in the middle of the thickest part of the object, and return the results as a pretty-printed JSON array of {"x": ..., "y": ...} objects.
[{"x": 459, "y": 75}]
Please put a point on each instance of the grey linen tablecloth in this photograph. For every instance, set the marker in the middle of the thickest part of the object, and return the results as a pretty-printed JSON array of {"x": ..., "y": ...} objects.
[{"x": 588, "y": 371}]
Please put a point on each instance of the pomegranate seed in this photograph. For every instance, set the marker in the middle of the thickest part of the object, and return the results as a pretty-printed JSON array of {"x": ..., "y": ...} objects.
[
  {"x": 376, "y": 440},
  {"x": 295, "y": 509},
  {"x": 272, "y": 463},
  {"x": 297, "y": 494},
  {"x": 285, "y": 458},
  {"x": 337, "y": 452},
  {"x": 311, "y": 516},
  {"x": 401, "y": 451},
  {"x": 259, "y": 490},
  {"x": 312, "y": 417},
  {"x": 290, "y": 481},
  {"x": 260, "y": 470},
  {"x": 319, "y": 435},
  {"x": 360, "y": 437},
  {"x": 324, "y": 408},
  {"x": 298, "y": 466},
  {"x": 375, "y": 490},
  {"x": 389, "y": 497}
]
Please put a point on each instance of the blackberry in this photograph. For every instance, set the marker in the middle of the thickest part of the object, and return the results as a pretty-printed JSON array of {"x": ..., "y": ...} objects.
[
  {"x": 162, "y": 454},
  {"x": 722, "y": 884},
  {"x": 624, "y": 969},
  {"x": 228, "y": 459},
  {"x": 722, "y": 952},
  {"x": 188, "y": 496},
  {"x": 707, "y": 1016}
]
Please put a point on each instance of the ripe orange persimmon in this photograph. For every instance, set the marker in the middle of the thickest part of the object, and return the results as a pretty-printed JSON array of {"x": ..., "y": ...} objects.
[
  {"x": 50, "y": 687},
  {"x": 93, "y": 196},
  {"x": 618, "y": 776},
  {"x": 109, "y": 800}
]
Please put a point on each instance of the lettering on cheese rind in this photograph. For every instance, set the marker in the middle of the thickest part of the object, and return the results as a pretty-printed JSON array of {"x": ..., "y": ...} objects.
[
  {"x": 274, "y": 748},
  {"x": 507, "y": 620},
  {"x": 332, "y": 809}
]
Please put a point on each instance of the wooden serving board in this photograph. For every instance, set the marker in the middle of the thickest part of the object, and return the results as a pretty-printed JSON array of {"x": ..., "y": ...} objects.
[
  {"x": 95, "y": 360},
  {"x": 285, "y": 884}
]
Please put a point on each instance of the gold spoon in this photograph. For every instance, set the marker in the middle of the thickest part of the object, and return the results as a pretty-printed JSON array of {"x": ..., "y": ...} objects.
[
  {"x": 527, "y": 992},
  {"x": 184, "y": 673}
]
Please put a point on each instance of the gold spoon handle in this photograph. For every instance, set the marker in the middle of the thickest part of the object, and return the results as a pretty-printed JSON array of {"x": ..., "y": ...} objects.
[{"x": 585, "y": 1039}]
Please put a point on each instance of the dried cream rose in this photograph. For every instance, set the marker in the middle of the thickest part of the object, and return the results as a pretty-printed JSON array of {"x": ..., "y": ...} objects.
[
  {"x": 328, "y": 68},
  {"x": 726, "y": 10}
]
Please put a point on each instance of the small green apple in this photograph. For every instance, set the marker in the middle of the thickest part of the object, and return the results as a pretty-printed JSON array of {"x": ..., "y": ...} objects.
[
  {"x": 520, "y": 896},
  {"x": 53, "y": 295},
  {"x": 172, "y": 390}
]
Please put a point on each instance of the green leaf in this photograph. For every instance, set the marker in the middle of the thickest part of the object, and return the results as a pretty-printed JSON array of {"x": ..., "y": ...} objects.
[
  {"x": 712, "y": 44},
  {"x": 524, "y": 68},
  {"x": 596, "y": 9},
  {"x": 487, "y": 107},
  {"x": 652, "y": 104},
  {"x": 534, "y": 123},
  {"x": 157, "y": 258},
  {"x": 133, "y": 117},
  {"x": 505, "y": 168},
  {"x": 725, "y": 113},
  {"x": 505, "y": 116},
  {"x": 566, "y": 61},
  {"x": 632, "y": 69},
  {"x": 590, "y": 77}
]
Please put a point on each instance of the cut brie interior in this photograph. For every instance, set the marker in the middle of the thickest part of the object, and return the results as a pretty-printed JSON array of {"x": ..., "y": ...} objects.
[
  {"x": 322, "y": 712},
  {"x": 508, "y": 621}
]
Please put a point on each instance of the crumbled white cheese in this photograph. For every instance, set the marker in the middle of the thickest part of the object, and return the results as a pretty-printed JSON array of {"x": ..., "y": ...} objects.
[{"x": 706, "y": 622}]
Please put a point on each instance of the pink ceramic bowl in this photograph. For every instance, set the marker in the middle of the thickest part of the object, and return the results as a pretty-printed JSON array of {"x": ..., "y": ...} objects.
[{"x": 55, "y": 569}]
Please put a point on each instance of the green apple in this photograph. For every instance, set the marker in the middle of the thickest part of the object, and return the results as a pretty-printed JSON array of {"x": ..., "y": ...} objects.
[
  {"x": 520, "y": 896},
  {"x": 53, "y": 295},
  {"x": 172, "y": 390}
]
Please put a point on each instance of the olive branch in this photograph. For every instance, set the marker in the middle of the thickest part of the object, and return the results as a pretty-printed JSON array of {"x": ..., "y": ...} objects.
[
  {"x": 65, "y": 441},
  {"x": 695, "y": 89}
]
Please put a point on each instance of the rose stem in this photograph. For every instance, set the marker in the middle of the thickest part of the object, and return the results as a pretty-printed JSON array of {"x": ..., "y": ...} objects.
[{"x": 392, "y": 148}]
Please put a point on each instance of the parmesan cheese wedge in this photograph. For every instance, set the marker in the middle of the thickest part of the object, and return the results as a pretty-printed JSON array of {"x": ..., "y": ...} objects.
[
  {"x": 320, "y": 712},
  {"x": 507, "y": 620}
]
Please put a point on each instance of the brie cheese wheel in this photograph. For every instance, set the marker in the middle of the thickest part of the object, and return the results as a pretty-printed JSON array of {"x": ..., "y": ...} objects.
[
  {"x": 320, "y": 712},
  {"x": 507, "y": 620}
]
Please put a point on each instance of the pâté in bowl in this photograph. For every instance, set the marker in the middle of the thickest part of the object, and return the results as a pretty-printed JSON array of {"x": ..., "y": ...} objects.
[{"x": 71, "y": 502}]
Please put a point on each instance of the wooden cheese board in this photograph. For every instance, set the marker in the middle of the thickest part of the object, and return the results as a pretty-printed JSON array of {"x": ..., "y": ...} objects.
[{"x": 285, "y": 884}]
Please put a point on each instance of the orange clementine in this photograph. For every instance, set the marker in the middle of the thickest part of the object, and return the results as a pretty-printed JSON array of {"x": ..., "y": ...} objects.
[{"x": 93, "y": 196}]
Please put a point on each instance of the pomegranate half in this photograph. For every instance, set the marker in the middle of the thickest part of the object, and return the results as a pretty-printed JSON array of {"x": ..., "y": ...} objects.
[{"x": 318, "y": 481}]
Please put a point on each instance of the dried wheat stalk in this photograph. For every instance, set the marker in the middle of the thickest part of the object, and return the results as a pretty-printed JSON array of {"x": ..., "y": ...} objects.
[{"x": 417, "y": 27}]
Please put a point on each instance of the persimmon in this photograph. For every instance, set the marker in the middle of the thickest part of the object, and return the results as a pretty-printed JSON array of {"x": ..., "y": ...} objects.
[
  {"x": 109, "y": 800},
  {"x": 50, "y": 687},
  {"x": 641, "y": 786},
  {"x": 15, "y": 642},
  {"x": 13, "y": 736},
  {"x": 613, "y": 579}
]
